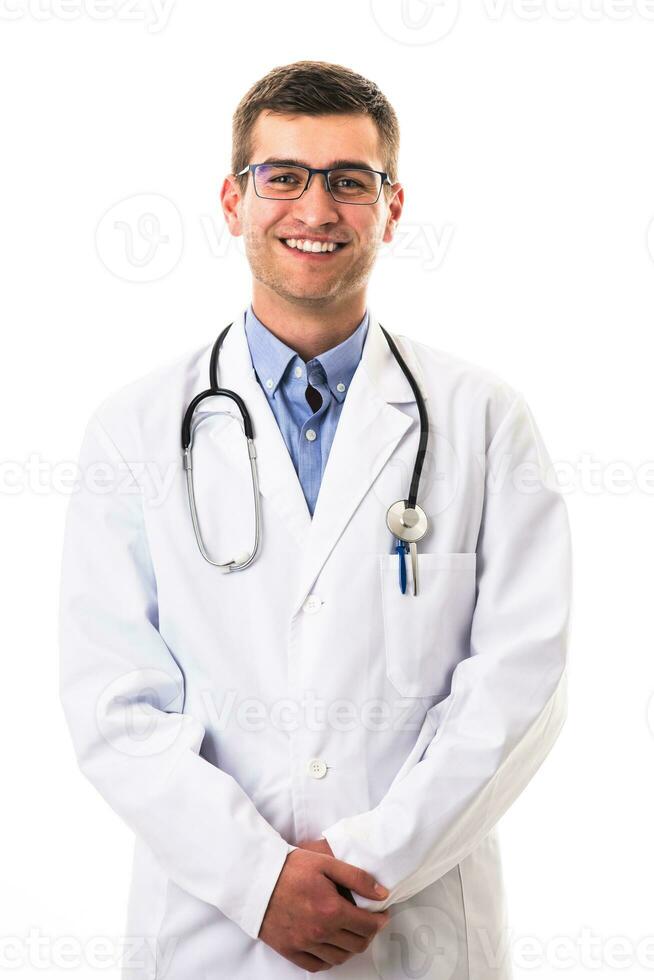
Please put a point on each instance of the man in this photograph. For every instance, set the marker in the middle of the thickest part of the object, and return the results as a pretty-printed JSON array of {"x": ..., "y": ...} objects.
[{"x": 314, "y": 761}]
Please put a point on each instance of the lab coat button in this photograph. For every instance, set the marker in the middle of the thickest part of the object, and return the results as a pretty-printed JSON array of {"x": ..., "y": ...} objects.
[
  {"x": 312, "y": 603},
  {"x": 317, "y": 768}
]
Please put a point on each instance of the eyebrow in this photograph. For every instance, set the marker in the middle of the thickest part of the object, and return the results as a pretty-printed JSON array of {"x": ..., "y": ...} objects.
[{"x": 334, "y": 165}]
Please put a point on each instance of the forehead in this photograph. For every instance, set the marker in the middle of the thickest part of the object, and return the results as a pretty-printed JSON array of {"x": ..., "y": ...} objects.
[{"x": 316, "y": 140}]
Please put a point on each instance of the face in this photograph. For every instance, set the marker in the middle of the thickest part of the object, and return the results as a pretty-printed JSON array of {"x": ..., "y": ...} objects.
[{"x": 310, "y": 278}]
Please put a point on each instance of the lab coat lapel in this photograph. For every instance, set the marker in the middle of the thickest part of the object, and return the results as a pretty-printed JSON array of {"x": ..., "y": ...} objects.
[{"x": 368, "y": 431}]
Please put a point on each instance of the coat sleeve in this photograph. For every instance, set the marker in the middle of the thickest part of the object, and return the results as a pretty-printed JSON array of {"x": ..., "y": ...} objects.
[
  {"x": 123, "y": 692},
  {"x": 481, "y": 744}
]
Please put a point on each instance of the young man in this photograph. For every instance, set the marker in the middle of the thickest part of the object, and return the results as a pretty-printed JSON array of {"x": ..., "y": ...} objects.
[{"x": 305, "y": 751}]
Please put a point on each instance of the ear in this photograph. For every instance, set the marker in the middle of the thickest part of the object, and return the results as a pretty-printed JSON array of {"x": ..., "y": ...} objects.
[
  {"x": 230, "y": 199},
  {"x": 395, "y": 206}
]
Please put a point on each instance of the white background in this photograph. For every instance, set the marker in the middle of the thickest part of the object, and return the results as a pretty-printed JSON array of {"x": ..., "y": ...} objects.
[{"x": 527, "y": 159}]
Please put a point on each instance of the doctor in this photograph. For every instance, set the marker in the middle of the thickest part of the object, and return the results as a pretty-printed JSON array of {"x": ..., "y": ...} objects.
[{"x": 314, "y": 762}]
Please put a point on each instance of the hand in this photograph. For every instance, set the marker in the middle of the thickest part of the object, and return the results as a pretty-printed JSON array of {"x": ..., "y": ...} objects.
[
  {"x": 322, "y": 846},
  {"x": 308, "y": 922}
]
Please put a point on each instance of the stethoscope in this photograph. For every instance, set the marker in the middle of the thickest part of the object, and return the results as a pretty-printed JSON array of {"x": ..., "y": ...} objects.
[{"x": 405, "y": 519}]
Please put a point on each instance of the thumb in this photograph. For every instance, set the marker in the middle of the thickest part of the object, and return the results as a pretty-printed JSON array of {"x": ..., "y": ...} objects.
[{"x": 356, "y": 879}]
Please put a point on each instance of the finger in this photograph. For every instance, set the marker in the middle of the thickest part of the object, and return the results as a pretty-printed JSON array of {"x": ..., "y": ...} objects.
[
  {"x": 361, "y": 922},
  {"x": 350, "y": 941},
  {"x": 309, "y": 962},
  {"x": 356, "y": 879},
  {"x": 329, "y": 953}
]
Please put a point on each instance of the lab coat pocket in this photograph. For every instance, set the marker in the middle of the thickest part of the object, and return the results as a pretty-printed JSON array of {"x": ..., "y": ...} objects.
[{"x": 427, "y": 635}]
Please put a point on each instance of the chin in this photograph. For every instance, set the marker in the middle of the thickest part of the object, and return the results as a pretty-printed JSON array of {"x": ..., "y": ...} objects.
[{"x": 304, "y": 291}]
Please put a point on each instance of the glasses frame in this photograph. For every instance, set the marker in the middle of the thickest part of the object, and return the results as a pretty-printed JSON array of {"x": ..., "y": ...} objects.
[{"x": 252, "y": 167}]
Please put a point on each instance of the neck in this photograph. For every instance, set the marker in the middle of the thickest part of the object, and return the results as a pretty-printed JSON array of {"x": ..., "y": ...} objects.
[{"x": 303, "y": 325}]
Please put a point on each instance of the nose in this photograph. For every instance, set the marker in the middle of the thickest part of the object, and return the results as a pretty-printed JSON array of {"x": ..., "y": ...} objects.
[{"x": 316, "y": 206}]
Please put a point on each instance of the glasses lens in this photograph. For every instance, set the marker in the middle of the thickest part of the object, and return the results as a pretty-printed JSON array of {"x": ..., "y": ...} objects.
[
  {"x": 276, "y": 181},
  {"x": 355, "y": 186}
]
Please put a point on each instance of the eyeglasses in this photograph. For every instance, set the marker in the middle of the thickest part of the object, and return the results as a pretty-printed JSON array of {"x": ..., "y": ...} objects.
[{"x": 349, "y": 185}]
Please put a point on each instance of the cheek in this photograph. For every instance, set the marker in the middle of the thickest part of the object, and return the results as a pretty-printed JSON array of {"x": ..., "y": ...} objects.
[
  {"x": 260, "y": 217},
  {"x": 369, "y": 230}
]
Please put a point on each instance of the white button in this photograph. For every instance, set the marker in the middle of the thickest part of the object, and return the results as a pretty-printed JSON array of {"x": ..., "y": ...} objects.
[
  {"x": 340, "y": 386},
  {"x": 310, "y": 434},
  {"x": 312, "y": 603},
  {"x": 298, "y": 372},
  {"x": 269, "y": 383},
  {"x": 317, "y": 768}
]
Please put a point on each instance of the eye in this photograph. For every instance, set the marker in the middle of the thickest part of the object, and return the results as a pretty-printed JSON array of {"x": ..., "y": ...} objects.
[
  {"x": 278, "y": 180},
  {"x": 348, "y": 182},
  {"x": 282, "y": 178},
  {"x": 357, "y": 185}
]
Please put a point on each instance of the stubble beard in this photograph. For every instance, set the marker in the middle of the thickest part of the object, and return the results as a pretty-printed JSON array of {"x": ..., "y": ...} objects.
[{"x": 339, "y": 285}]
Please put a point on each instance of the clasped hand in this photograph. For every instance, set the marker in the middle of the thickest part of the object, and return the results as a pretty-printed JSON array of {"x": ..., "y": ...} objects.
[{"x": 310, "y": 920}]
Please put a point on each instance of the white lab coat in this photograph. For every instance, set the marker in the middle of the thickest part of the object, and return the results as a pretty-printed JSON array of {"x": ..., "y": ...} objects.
[{"x": 225, "y": 717}]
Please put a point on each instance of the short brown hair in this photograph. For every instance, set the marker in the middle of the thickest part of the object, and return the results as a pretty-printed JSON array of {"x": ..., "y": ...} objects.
[{"x": 314, "y": 88}]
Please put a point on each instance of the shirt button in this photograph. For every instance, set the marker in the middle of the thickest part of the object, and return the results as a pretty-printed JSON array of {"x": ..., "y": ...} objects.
[
  {"x": 310, "y": 435},
  {"x": 269, "y": 383},
  {"x": 312, "y": 603},
  {"x": 340, "y": 386},
  {"x": 298, "y": 372},
  {"x": 317, "y": 768}
]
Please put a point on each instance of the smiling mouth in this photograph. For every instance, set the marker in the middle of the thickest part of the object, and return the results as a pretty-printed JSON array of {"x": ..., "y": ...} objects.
[{"x": 307, "y": 247}]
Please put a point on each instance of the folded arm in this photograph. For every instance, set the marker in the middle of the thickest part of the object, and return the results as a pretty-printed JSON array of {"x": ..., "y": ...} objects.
[
  {"x": 123, "y": 696},
  {"x": 480, "y": 746}
]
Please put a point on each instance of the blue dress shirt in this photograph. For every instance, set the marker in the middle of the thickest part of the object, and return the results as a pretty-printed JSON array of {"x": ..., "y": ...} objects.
[{"x": 284, "y": 376}]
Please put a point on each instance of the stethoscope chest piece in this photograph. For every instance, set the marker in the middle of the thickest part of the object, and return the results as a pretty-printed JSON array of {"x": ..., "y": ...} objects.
[{"x": 408, "y": 524}]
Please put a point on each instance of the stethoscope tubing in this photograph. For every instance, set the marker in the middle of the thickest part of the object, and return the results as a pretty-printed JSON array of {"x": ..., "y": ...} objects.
[
  {"x": 187, "y": 432},
  {"x": 424, "y": 421}
]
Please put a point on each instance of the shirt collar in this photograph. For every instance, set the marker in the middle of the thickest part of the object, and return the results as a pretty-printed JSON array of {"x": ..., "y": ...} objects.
[{"x": 273, "y": 360}]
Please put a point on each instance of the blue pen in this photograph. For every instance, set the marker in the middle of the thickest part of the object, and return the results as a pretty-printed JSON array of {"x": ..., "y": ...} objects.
[{"x": 401, "y": 547}]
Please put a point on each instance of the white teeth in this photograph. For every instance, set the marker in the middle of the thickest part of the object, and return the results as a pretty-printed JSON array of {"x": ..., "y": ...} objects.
[{"x": 305, "y": 245}]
